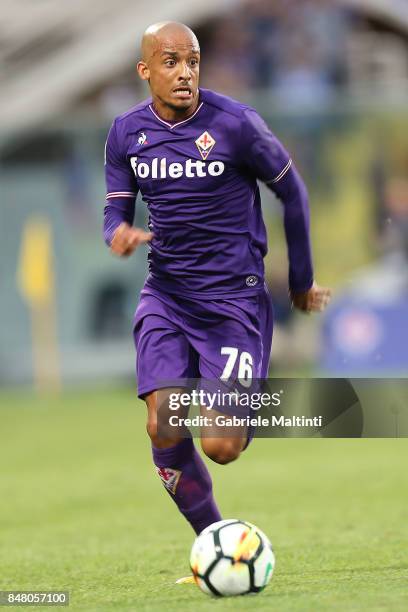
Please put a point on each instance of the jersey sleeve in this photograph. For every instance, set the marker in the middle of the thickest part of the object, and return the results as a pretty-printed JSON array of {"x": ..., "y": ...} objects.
[
  {"x": 121, "y": 186},
  {"x": 264, "y": 155},
  {"x": 267, "y": 159}
]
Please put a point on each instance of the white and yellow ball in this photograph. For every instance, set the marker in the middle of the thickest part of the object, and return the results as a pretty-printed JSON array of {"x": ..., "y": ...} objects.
[{"x": 232, "y": 557}]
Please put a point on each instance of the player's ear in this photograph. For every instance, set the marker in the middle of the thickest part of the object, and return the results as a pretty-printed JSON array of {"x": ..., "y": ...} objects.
[{"x": 143, "y": 71}]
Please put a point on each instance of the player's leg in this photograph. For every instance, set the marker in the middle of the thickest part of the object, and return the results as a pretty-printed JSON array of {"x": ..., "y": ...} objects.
[
  {"x": 164, "y": 354},
  {"x": 181, "y": 469}
]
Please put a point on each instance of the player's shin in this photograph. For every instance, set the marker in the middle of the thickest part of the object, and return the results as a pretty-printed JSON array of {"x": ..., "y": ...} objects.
[{"x": 187, "y": 480}]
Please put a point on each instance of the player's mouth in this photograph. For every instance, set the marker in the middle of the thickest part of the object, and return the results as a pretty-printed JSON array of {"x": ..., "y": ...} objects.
[{"x": 184, "y": 93}]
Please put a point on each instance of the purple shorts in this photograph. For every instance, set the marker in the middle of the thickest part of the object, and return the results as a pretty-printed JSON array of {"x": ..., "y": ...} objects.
[{"x": 178, "y": 338}]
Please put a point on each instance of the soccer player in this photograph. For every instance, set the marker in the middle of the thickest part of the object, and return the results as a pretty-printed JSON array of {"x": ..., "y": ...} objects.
[{"x": 196, "y": 156}]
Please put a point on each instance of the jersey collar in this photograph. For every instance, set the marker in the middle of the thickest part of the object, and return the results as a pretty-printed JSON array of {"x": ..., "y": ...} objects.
[{"x": 171, "y": 126}]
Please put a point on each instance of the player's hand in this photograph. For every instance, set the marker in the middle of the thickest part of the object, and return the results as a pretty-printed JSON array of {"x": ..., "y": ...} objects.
[
  {"x": 314, "y": 300},
  {"x": 126, "y": 239}
]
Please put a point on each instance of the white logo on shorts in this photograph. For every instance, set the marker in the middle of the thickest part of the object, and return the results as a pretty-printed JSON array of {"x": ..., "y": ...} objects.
[{"x": 251, "y": 281}]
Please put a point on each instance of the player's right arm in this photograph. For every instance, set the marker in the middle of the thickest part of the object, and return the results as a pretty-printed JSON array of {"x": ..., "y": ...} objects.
[{"x": 121, "y": 192}]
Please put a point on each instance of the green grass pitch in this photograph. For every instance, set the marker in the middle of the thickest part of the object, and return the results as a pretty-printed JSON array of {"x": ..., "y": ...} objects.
[{"x": 83, "y": 510}]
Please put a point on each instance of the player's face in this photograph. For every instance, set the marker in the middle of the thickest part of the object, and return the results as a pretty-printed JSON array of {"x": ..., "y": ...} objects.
[{"x": 173, "y": 73}]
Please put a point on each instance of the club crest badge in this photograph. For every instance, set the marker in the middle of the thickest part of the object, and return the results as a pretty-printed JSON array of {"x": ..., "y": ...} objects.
[
  {"x": 205, "y": 144},
  {"x": 169, "y": 478}
]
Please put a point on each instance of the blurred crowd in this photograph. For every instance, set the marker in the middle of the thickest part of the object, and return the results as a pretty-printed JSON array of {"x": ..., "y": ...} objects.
[{"x": 296, "y": 48}]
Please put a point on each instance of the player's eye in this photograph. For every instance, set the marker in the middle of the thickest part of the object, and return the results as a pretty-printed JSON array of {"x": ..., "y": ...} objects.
[
  {"x": 193, "y": 62},
  {"x": 170, "y": 62}
]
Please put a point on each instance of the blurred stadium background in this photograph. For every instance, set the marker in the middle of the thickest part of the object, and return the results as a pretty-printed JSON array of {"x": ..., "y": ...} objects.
[
  {"x": 82, "y": 508},
  {"x": 330, "y": 78}
]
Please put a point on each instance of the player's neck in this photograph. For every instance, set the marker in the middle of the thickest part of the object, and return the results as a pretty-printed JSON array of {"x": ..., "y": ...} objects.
[{"x": 171, "y": 114}]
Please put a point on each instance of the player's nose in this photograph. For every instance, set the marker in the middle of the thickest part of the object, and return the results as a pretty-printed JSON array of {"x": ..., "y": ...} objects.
[{"x": 185, "y": 72}]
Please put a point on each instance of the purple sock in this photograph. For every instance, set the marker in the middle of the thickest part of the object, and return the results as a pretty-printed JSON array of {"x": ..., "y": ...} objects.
[{"x": 188, "y": 482}]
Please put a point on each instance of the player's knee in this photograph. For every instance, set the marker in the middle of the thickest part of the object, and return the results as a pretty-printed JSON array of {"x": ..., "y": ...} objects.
[
  {"x": 221, "y": 451},
  {"x": 151, "y": 428},
  {"x": 152, "y": 421},
  {"x": 158, "y": 438}
]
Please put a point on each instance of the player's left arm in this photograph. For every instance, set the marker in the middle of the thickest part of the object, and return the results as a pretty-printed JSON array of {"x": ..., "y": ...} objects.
[{"x": 271, "y": 163}]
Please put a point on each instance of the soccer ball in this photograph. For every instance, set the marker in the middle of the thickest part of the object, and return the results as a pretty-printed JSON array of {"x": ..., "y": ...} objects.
[{"x": 232, "y": 557}]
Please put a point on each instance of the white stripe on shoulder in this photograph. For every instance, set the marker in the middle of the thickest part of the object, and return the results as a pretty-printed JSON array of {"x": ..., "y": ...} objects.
[
  {"x": 120, "y": 194},
  {"x": 281, "y": 174}
]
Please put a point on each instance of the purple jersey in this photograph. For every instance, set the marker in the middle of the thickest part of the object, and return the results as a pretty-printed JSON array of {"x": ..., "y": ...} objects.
[{"x": 198, "y": 178}]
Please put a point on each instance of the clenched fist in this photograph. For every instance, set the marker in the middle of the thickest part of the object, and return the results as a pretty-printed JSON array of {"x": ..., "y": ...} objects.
[
  {"x": 313, "y": 300},
  {"x": 126, "y": 239}
]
